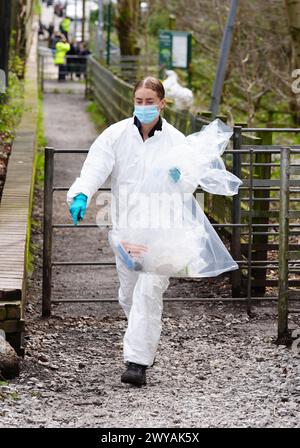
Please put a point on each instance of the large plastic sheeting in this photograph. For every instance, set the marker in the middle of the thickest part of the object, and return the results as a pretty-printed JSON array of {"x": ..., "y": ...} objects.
[
  {"x": 182, "y": 96},
  {"x": 163, "y": 229}
]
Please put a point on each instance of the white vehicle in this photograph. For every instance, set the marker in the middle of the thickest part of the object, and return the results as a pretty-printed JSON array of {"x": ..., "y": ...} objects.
[{"x": 74, "y": 8}]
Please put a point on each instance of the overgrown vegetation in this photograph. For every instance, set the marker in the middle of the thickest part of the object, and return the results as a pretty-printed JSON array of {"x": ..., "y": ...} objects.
[
  {"x": 258, "y": 80},
  {"x": 11, "y": 109},
  {"x": 97, "y": 116},
  {"x": 41, "y": 141},
  {"x": 11, "y": 102},
  {"x": 37, "y": 8}
]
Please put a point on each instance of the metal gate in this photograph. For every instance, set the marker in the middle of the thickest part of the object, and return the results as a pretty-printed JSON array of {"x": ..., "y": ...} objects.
[
  {"x": 263, "y": 239},
  {"x": 289, "y": 258}
]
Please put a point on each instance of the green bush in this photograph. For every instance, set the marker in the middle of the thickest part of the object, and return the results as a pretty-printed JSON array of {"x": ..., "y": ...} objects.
[
  {"x": 12, "y": 104},
  {"x": 12, "y": 100}
]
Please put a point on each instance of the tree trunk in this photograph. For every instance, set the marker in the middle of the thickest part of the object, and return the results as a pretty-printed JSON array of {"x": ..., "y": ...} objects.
[
  {"x": 293, "y": 13},
  {"x": 127, "y": 24}
]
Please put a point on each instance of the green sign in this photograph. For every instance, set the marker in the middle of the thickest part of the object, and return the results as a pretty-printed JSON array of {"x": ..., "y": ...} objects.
[
  {"x": 165, "y": 49},
  {"x": 175, "y": 49}
]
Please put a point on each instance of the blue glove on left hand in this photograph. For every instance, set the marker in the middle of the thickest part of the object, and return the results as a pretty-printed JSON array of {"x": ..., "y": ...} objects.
[
  {"x": 78, "y": 207},
  {"x": 174, "y": 174}
]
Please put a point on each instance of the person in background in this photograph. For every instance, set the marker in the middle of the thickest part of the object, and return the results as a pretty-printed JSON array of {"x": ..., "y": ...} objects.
[
  {"x": 61, "y": 49},
  {"x": 64, "y": 27},
  {"x": 50, "y": 30},
  {"x": 42, "y": 29},
  {"x": 82, "y": 60},
  {"x": 54, "y": 39},
  {"x": 72, "y": 59},
  {"x": 59, "y": 9}
]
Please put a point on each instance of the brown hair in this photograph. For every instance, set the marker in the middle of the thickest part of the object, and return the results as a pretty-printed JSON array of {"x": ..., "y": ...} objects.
[{"x": 151, "y": 83}]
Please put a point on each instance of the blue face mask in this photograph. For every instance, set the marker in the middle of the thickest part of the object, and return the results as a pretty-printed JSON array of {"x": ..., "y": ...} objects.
[{"x": 146, "y": 114}]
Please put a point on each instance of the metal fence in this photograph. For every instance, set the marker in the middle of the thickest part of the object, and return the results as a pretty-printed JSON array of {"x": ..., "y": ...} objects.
[
  {"x": 264, "y": 209},
  {"x": 275, "y": 232}
]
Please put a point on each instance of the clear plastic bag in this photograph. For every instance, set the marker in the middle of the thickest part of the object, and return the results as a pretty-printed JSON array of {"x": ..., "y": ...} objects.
[
  {"x": 182, "y": 96},
  {"x": 166, "y": 231}
]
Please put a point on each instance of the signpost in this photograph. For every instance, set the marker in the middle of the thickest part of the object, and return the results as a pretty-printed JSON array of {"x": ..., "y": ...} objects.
[
  {"x": 109, "y": 16},
  {"x": 100, "y": 40},
  {"x": 223, "y": 59},
  {"x": 165, "y": 50},
  {"x": 175, "y": 51}
]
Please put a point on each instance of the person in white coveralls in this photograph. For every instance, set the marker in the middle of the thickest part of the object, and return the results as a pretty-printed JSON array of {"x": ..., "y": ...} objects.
[{"x": 127, "y": 150}]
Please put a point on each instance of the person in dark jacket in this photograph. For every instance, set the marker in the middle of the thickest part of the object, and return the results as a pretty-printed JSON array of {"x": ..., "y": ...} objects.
[
  {"x": 72, "y": 59},
  {"x": 82, "y": 61},
  {"x": 50, "y": 30}
]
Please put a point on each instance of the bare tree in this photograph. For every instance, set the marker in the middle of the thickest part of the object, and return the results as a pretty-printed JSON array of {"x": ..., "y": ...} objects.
[
  {"x": 293, "y": 13},
  {"x": 127, "y": 24},
  {"x": 258, "y": 76}
]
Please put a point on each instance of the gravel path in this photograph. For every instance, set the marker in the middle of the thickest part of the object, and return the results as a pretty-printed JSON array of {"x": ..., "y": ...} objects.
[{"x": 214, "y": 366}]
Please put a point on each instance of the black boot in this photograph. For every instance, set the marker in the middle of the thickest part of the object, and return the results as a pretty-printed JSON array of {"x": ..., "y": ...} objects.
[{"x": 135, "y": 374}]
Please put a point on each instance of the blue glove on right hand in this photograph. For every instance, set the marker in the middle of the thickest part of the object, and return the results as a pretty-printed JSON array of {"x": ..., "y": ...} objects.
[
  {"x": 78, "y": 207},
  {"x": 174, "y": 174}
]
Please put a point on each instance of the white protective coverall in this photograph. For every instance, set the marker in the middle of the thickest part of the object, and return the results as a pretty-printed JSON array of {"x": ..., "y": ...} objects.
[{"x": 120, "y": 151}]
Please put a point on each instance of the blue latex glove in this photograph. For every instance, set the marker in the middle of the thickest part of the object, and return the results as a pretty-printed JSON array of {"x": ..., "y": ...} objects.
[
  {"x": 175, "y": 174},
  {"x": 78, "y": 207}
]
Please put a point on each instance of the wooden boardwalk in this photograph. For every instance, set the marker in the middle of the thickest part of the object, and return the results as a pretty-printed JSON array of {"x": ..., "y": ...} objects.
[{"x": 15, "y": 212}]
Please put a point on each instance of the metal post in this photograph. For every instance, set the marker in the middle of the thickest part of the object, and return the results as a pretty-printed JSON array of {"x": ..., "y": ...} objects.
[
  {"x": 225, "y": 47},
  {"x": 42, "y": 70},
  {"x": 100, "y": 28},
  {"x": 236, "y": 215},
  {"x": 283, "y": 332},
  {"x": 87, "y": 74},
  {"x": 250, "y": 205},
  {"x": 47, "y": 244},
  {"x": 108, "y": 33},
  {"x": 83, "y": 21},
  {"x": 39, "y": 68},
  {"x": 75, "y": 24}
]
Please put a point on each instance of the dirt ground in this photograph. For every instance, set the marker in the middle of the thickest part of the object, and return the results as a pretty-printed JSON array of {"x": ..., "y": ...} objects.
[{"x": 214, "y": 367}]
